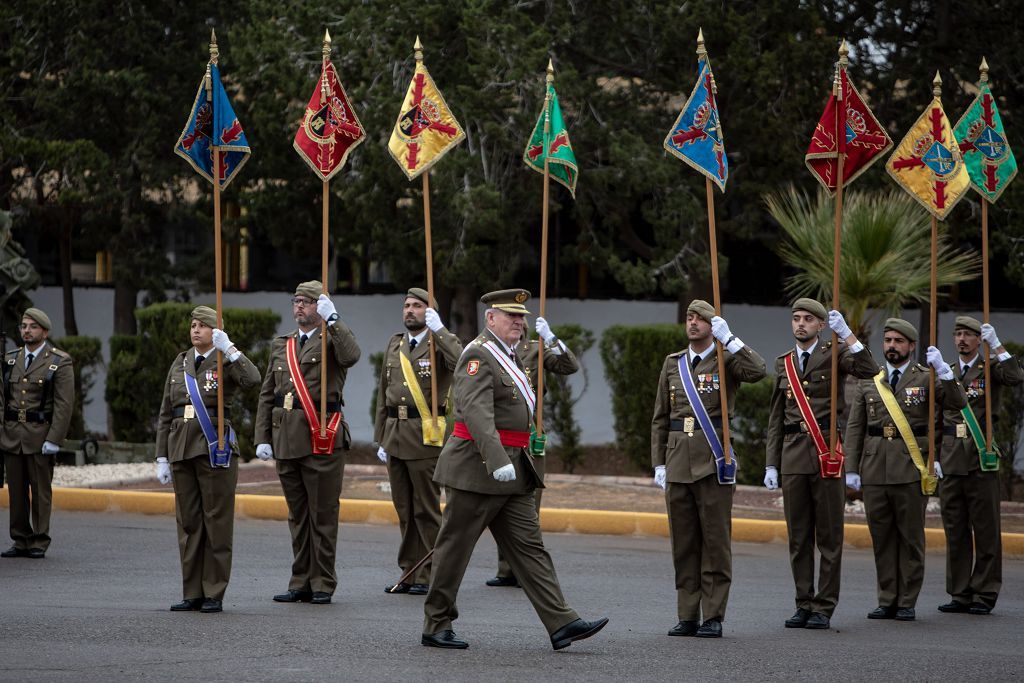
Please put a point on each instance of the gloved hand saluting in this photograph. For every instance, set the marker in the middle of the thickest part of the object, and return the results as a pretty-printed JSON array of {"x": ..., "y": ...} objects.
[
  {"x": 941, "y": 367},
  {"x": 433, "y": 320}
]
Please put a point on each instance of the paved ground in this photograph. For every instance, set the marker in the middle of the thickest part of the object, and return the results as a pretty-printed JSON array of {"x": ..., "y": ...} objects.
[{"x": 96, "y": 610}]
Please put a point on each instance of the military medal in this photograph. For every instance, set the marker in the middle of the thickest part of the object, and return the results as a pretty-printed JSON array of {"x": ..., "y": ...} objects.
[{"x": 211, "y": 380}]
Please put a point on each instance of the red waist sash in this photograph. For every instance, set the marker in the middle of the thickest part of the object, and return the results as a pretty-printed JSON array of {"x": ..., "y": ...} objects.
[{"x": 509, "y": 437}]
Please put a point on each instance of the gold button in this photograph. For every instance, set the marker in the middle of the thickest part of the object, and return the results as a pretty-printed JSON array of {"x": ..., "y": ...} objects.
[{"x": 405, "y": 384}]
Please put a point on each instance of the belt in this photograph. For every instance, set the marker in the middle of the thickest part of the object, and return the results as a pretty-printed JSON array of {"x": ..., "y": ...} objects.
[
  {"x": 190, "y": 409},
  {"x": 509, "y": 437},
  {"x": 406, "y": 412},
  {"x": 957, "y": 430},
  {"x": 332, "y": 406},
  {"x": 890, "y": 431},
  {"x": 801, "y": 427},
  {"x": 691, "y": 424},
  {"x": 34, "y": 416}
]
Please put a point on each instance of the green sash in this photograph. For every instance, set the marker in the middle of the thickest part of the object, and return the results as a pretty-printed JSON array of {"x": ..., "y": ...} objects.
[{"x": 989, "y": 460}]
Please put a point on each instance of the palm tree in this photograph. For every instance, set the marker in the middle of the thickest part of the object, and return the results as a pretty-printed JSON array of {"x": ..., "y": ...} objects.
[{"x": 886, "y": 259}]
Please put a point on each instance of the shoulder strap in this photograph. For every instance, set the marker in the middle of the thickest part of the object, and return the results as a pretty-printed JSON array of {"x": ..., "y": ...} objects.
[
  {"x": 726, "y": 475},
  {"x": 517, "y": 375},
  {"x": 928, "y": 480}
]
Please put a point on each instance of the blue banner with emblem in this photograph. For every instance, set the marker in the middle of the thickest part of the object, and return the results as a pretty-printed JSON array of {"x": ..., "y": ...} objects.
[{"x": 219, "y": 457}]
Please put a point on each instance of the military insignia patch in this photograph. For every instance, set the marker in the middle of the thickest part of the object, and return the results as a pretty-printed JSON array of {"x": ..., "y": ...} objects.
[
  {"x": 521, "y": 297},
  {"x": 472, "y": 367}
]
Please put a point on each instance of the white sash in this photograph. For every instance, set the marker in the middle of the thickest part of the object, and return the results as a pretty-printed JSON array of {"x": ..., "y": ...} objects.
[{"x": 517, "y": 375}]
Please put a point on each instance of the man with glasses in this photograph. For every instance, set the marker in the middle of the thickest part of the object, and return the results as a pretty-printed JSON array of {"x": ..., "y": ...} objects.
[{"x": 309, "y": 455}]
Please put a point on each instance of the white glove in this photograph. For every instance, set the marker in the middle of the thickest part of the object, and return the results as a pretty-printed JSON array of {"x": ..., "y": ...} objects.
[
  {"x": 221, "y": 341},
  {"x": 325, "y": 307},
  {"x": 720, "y": 329},
  {"x": 988, "y": 335},
  {"x": 853, "y": 481},
  {"x": 544, "y": 330},
  {"x": 938, "y": 470},
  {"x": 838, "y": 324},
  {"x": 941, "y": 367},
  {"x": 433, "y": 320},
  {"x": 771, "y": 478},
  {"x": 382, "y": 454},
  {"x": 49, "y": 448},
  {"x": 659, "y": 476},
  {"x": 163, "y": 470},
  {"x": 264, "y": 451},
  {"x": 505, "y": 473}
]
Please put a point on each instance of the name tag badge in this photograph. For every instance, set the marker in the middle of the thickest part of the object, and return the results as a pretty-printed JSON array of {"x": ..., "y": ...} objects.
[
  {"x": 688, "y": 425},
  {"x": 403, "y": 412},
  {"x": 190, "y": 412},
  {"x": 289, "y": 401},
  {"x": 961, "y": 431}
]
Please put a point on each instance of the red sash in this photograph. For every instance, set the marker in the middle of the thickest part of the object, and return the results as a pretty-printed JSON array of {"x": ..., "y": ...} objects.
[
  {"x": 830, "y": 468},
  {"x": 509, "y": 437},
  {"x": 322, "y": 445}
]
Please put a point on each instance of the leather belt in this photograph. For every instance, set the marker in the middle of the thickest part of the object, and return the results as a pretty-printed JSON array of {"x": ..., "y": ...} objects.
[
  {"x": 957, "y": 430},
  {"x": 332, "y": 406},
  {"x": 189, "y": 410},
  {"x": 801, "y": 427},
  {"x": 890, "y": 431},
  {"x": 691, "y": 424},
  {"x": 407, "y": 412},
  {"x": 33, "y": 416},
  {"x": 509, "y": 437}
]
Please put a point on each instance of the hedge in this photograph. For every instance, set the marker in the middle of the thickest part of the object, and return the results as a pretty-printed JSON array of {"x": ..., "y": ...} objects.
[{"x": 87, "y": 355}]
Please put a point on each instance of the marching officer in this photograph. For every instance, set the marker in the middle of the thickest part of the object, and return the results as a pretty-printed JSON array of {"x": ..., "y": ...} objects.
[
  {"x": 559, "y": 360},
  {"x": 969, "y": 486},
  {"x": 887, "y": 454},
  {"x": 187, "y": 445},
  {"x": 688, "y": 465},
  {"x": 813, "y": 490},
  {"x": 490, "y": 478},
  {"x": 310, "y": 460},
  {"x": 39, "y": 388},
  {"x": 409, "y": 444}
]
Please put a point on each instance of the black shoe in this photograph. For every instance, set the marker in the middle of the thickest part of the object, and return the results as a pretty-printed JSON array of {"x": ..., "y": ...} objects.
[
  {"x": 576, "y": 630},
  {"x": 210, "y": 605},
  {"x": 881, "y": 612},
  {"x": 684, "y": 628},
  {"x": 445, "y": 639},
  {"x": 817, "y": 621},
  {"x": 35, "y": 553},
  {"x": 509, "y": 581},
  {"x": 187, "y": 605},
  {"x": 905, "y": 614},
  {"x": 294, "y": 596},
  {"x": 398, "y": 588},
  {"x": 419, "y": 589},
  {"x": 321, "y": 598},
  {"x": 712, "y": 628},
  {"x": 953, "y": 607},
  {"x": 799, "y": 619},
  {"x": 979, "y": 608},
  {"x": 15, "y": 551}
]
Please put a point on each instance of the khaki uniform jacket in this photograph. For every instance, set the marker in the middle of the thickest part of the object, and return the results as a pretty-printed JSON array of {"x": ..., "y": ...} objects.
[
  {"x": 181, "y": 439},
  {"x": 796, "y": 453},
  {"x": 486, "y": 400},
  {"x": 403, "y": 438},
  {"x": 287, "y": 430},
  {"x": 880, "y": 460},
  {"x": 960, "y": 456},
  {"x": 26, "y": 392},
  {"x": 688, "y": 458}
]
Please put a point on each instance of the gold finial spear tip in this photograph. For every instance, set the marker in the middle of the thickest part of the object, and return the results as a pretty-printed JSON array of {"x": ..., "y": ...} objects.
[
  {"x": 984, "y": 70},
  {"x": 327, "y": 44},
  {"x": 214, "y": 52},
  {"x": 701, "y": 50},
  {"x": 418, "y": 47},
  {"x": 937, "y": 84},
  {"x": 327, "y": 36},
  {"x": 844, "y": 53}
]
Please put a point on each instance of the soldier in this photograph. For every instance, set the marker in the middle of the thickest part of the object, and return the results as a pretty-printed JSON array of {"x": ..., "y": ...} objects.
[
  {"x": 887, "y": 453},
  {"x": 969, "y": 487},
  {"x": 813, "y": 490},
  {"x": 187, "y": 452},
  {"x": 39, "y": 392},
  {"x": 490, "y": 478},
  {"x": 560, "y": 360},
  {"x": 409, "y": 444},
  {"x": 310, "y": 463},
  {"x": 689, "y": 465}
]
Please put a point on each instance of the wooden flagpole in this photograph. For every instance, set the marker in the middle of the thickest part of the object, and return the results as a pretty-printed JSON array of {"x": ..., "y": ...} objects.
[
  {"x": 933, "y": 315},
  {"x": 833, "y": 431},
  {"x": 217, "y": 253},
  {"x": 549, "y": 80},
  {"x": 984, "y": 297},
  {"x": 324, "y": 246},
  {"x": 719, "y": 347}
]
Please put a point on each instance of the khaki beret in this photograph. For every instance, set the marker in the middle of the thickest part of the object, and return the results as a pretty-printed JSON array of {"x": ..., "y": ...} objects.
[
  {"x": 205, "y": 315},
  {"x": 968, "y": 323},
  {"x": 421, "y": 294},
  {"x": 701, "y": 308},
  {"x": 39, "y": 317},
  {"x": 811, "y": 306},
  {"x": 901, "y": 326},
  {"x": 311, "y": 290},
  {"x": 508, "y": 300}
]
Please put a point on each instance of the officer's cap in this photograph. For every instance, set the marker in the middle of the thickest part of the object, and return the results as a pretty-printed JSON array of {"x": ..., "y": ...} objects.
[
  {"x": 508, "y": 300},
  {"x": 811, "y": 306},
  {"x": 39, "y": 317},
  {"x": 701, "y": 308},
  {"x": 903, "y": 327}
]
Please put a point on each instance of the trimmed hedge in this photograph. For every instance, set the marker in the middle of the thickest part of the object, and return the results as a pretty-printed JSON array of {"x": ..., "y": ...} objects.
[
  {"x": 87, "y": 355},
  {"x": 559, "y": 403}
]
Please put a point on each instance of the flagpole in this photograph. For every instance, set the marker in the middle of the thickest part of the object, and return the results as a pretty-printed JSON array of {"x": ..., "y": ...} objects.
[
  {"x": 719, "y": 347},
  {"x": 933, "y": 310},
  {"x": 984, "y": 296},
  {"x": 217, "y": 255},
  {"x": 324, "y": 246},
  {"x": 844, "y": 52},
  {"x": 549, "y": 80}
]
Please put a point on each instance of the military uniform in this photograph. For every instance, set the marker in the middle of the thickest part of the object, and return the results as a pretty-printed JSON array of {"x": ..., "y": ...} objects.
[
  {"x": 204, "y": 496},
  {"x": 39, "y": 401},
  {"x": 969, "y": 496},
  {"x": 814, "y": 506},
  {"x": 398, "y": 429},
  {"x": 311, "y": 483}
]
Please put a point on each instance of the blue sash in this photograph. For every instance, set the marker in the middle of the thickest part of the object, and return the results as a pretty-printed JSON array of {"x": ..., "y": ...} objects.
[
  {"x": 218, "y": 457},
  {"x": 726, "y": 473}
]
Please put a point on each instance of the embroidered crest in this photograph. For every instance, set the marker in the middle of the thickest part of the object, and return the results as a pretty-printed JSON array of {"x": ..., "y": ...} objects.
[
  {"x": 521, "y": 297},
  {"x": 472, "y": 367}
]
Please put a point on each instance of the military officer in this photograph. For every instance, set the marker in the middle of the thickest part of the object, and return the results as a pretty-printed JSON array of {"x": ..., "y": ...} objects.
[
  {"x": 409, "y": 443},
  {"x": 204, "y": 490},
  {"x": 490, "y": 478},
  {"x": 39, "y": 387},
  {"x": 891, "y": 467},
  {"x": 968, "y": 492},
  {"x": 310, "y": 457},
  {"x": 560, "y": 360},
  {"x": 814, "y": 503},
  {"x": 699, "y": 507}
]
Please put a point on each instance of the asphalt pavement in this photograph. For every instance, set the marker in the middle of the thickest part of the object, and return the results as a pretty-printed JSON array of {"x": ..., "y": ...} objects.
[{"x": 96, "y": 610}]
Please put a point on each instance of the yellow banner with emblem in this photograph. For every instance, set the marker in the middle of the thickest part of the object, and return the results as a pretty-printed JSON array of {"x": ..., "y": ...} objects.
[
  {"x": 431, "y": 436},
  {"x": 928, "y": 480}
]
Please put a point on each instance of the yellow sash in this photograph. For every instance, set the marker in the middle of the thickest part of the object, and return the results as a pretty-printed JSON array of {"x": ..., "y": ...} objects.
[
  {"x": 928, "y": 481},
  {"x": 431, "y": 437}
]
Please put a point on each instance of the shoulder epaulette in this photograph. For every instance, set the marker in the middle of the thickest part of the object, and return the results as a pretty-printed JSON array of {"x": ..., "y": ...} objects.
[
  {"x": 60, "y": 353},
  {"x": 677, "y": 354}
]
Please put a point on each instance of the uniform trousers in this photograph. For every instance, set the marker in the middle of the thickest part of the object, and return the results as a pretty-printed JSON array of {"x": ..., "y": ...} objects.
[
  {"x": 417, "y": 500},
  {"x": 974, "y": 548},
  {"x": 29, "y": 477},
  {"x": 895, "y": 516},
  {"x": 815, "y": 509},
  {"x": 312, "y": 488}
]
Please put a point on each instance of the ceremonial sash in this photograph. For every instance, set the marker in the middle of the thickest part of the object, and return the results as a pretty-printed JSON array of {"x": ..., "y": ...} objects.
[
  {"x": 517, "y": 375},
  {"x": 830, "y": 468},
  {"x": 508, "y": 437},
  {"x": 988, "y": 460},
  {"x": 321, "y": 445},
  {"x": 218, "y": 457},
  {"x": 928, "y": 480},
  {"x": 726, "y": 473},
  {"x": 430, "y": 436}
]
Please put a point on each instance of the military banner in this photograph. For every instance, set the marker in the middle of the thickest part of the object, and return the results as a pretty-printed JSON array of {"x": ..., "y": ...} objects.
[
  {"x": 987, "y": 155},
  {"x": 551, "y": 142}
]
